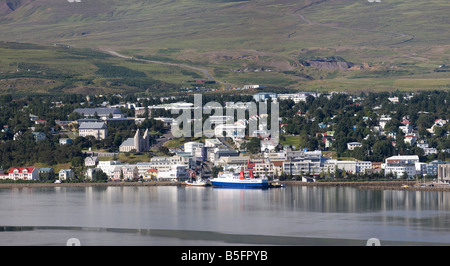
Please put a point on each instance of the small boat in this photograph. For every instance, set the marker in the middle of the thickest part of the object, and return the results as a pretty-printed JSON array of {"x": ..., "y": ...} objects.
[
  {"x": 277, "y": 185},
  {"x": 195, "y": 181}
]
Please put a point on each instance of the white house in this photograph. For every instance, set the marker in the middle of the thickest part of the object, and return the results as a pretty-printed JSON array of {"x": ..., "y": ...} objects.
[
  {"x": 91, "y": 161},
  {"x": 410, "y": 139},
  {"x": 352, "y": 145},
  {"x": 401, "y": 164},
  {"x": 26, "y": 173},
  {"x": 108, "y": 167},
  {"x": 212, "y": 143},
  {"x": 64, "y": 174},
  {"x": 268, "y": 145},
  {"x": 38, "y": 136},
  {"x": 176, "y": 172},
  {"x": 383, "y": 120},
  {"x": 194, "y": 148}
]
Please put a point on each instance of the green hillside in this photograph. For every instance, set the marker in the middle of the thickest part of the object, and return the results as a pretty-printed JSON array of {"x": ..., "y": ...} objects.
[{"x": 301, "y": 44}]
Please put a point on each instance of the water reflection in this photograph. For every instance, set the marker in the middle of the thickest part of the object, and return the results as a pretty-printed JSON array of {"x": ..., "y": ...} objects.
[{"x": 317, "y": 212}]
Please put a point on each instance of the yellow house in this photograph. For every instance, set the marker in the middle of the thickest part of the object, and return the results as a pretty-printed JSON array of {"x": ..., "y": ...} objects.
[{"x": 151, "y": 174}]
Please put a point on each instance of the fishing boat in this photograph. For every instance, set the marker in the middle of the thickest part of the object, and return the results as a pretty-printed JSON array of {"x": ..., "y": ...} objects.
[
  {"x": 239, "y": 180},
  {"x": 195, "y": 181}
]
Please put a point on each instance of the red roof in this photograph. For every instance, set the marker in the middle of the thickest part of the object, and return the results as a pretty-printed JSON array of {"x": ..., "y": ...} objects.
[
  {"x": 278, "y": 163},
  {"x": 29, "y": 169},
  {"x": 153, "y": 170}
]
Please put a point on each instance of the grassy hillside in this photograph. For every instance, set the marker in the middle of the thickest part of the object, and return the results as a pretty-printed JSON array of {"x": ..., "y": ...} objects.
[
  {"x": 302, "y": 44},
  {"x": 30, "y": 68}
]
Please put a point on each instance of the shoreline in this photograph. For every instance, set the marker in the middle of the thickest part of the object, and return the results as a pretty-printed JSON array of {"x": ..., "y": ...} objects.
[{"x": 376, "y": 185}]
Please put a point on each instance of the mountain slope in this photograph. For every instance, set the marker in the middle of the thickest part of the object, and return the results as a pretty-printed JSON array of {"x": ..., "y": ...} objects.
[{"x": 228, "y": 36}]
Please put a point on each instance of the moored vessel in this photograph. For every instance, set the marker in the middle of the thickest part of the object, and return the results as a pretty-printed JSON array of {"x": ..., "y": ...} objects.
[{"x": 239, "y": 180}]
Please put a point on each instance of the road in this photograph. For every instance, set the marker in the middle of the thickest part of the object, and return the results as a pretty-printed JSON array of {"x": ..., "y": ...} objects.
[
  {"x": 203, "y": 71},
  {"x": 160, "y": 141},
  {"x": 407, "y": 37}
]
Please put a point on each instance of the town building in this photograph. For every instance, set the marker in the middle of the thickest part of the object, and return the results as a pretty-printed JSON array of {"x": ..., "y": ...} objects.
[
  {"x": 444, "y": 173},
  {"x": 268, "y": 145},
  {"x": 351, "y": 167},
  {"x": 401, "y": 165},
  {"x": 138, "y": 143},
  {"x": 151, "y": 174},
  {"x": 91, "y": 161},
  {"x": 217, "y": 153},
  {"x": 140, "y": 112},
  {"x": 433, "y": 167},
  {"x": 175, "y": 173},
  {"x": 89, "y": 174},
  {"x": 352, "y": 145},
  {"x": 410, "y": 139},
  {"x": 108, "y": 167},
  {"x": 39, "y": 136},
  {"x": 212, "y": 143},
  {"x": 297, "y": 97},
  {"x": 3, "y": 175},
  {"x": 196, "y": 149},
  {"x": 26, "y": 173},
  {"x": 65, "y": 174},
  {"x": 98, "y": 130},
  {"x": 99, "y": 112},
  {"x": 164, "y": 163},
  {"x": 65, "y": 141},
  {"x": 262, "y": 96},
  {"x": 384, "y": 119}
]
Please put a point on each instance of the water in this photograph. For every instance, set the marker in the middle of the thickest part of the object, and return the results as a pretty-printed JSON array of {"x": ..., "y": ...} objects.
[{"x": 169, "y": 215}]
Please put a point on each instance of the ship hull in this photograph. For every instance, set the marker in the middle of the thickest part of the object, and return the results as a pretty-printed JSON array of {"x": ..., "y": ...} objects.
[{"x": 240, "y": 183}]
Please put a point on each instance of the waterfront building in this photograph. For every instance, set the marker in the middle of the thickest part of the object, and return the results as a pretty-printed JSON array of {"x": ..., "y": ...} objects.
[
  {"x": 401, "y": 164},
  {"x": 89, "y": 174},
  {"x": 151, "y": 174},
  {"x": 444, "y": 172},
  {"x": 161, "y": 163},
  {"x": 108, "y": 167},
  {"x": 432, "y": 167},
  {"x": 176, "y": 172},
  {"x": 65, "y": 174},
  {"x": 26, "y": 173}
]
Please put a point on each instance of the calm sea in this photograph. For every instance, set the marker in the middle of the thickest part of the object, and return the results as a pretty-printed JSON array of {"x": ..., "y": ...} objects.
[{"x": 185, "y": 216}]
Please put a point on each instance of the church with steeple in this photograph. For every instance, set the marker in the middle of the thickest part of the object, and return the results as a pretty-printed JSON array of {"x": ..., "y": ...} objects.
[{"x": 138, "y": 143}]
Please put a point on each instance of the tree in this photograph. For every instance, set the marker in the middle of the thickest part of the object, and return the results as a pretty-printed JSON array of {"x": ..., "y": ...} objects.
[
  {"x": 215, "y": 171},
  {"x": 381, "y": 150},
  {"x": 77, "y": 161},
  {"x": 100, "y": 176},
  {"x": 253, "y": 145}
]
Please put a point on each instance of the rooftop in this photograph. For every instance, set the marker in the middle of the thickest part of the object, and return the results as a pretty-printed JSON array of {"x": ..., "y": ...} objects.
[
  {"x": 99, "y": 111},
  {"x": 93, "y": 125}
]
